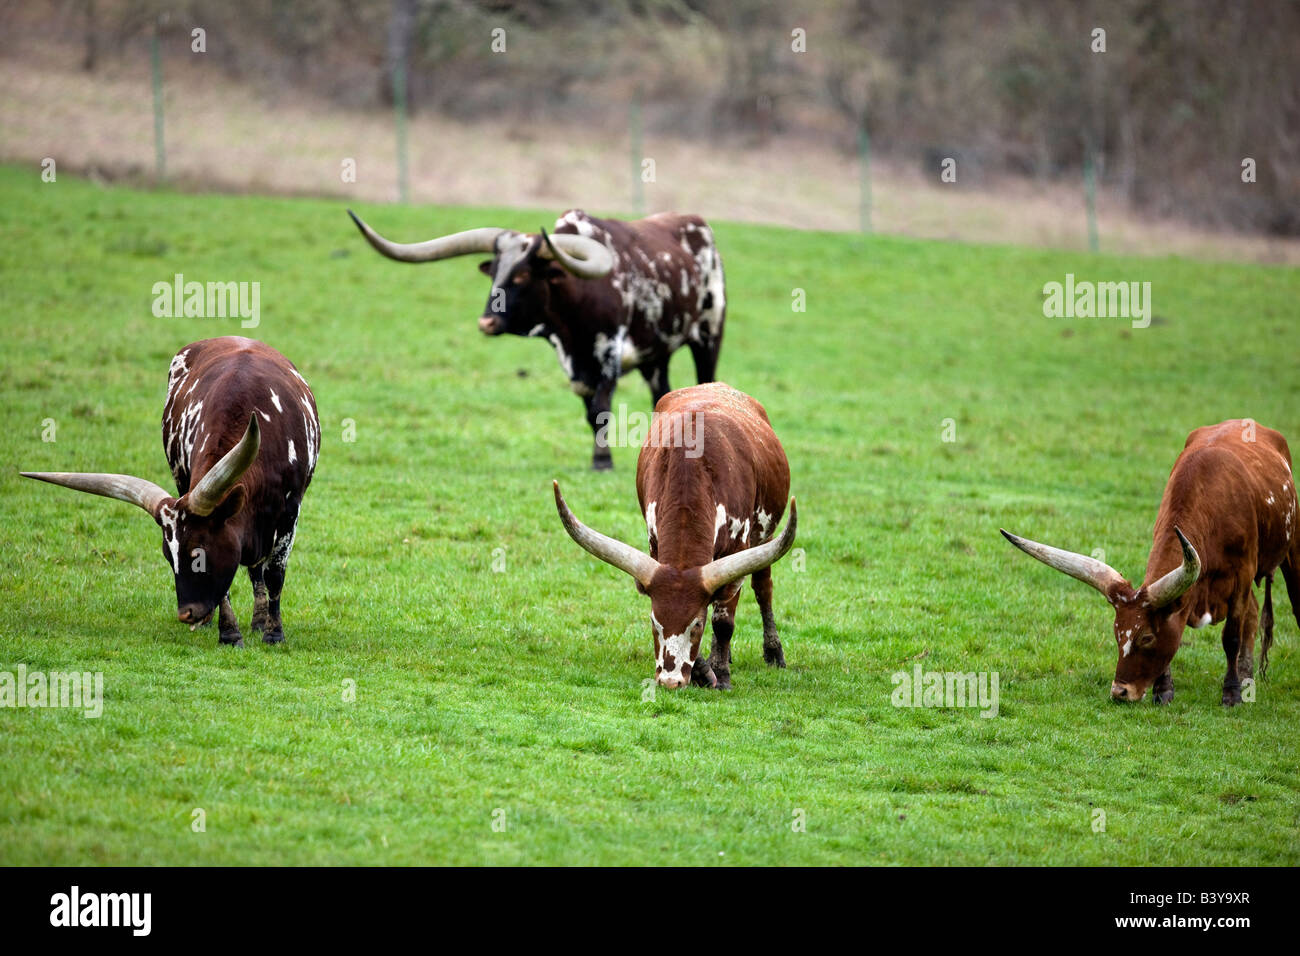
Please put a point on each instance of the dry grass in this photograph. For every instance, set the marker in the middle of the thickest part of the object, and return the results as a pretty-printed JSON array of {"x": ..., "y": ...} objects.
[{"x": 225, "y": 135}]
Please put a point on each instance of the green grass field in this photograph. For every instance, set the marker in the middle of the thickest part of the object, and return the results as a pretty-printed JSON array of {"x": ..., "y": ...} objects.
[{"x": 516, "y": 696}]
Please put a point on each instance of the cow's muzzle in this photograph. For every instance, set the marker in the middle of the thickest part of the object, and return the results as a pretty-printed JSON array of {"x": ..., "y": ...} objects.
[
  {"x": 1122, "y": 691},
  {"x": 491, "y": 325},
  {"x": 193, "y": 614}
]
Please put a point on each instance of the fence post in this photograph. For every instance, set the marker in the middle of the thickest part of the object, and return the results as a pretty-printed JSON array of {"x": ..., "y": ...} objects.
[
  {"x": 159, "y": 150},
  {"x": 1090, "y": 195},
  {"x": 399, "y": 109},
  {"x": 864, "y": 177},
  {"x": 635, "y": 131}
]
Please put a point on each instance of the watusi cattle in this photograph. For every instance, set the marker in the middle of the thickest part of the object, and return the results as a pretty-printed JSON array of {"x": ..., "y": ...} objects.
[
  {"x": 711, "y": 508},
  {"x": 241, "y": 435},
  {"x": 1227, "y": 521},
  {"x": 608, "y": 295}
]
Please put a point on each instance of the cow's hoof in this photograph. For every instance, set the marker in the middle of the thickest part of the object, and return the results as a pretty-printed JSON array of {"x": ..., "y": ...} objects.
[
  {"x": 724, "y": 681},
  {"x": 602, "y": 464},
  {"x": 258, "y": 624},
  {"x": 273, "y": 637},
  {"x": 1231, "y": 696},
  {"x": 231, "y": 636},
  {"x": 239, "y": 643},
  {"x": 1164, "y": 697},
  {"x": 774, "y": 656},
  {"x": 702, "y": 675}
]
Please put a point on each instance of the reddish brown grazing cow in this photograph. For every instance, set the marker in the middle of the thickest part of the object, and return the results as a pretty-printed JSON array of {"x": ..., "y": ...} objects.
[
  {"x": 241, "y": 436},
  {"x": 712, "y": 479},
  {"x": 1227, "y": 520}
]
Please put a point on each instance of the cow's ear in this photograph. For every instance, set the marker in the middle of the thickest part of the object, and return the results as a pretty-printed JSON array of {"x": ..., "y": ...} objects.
[
  {"x": 485, "y": 267},
  {"x": 230, "y": 505}
]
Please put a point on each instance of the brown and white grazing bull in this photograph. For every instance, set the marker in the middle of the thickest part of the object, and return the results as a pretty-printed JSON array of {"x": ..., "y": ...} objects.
[
  {"x": 712, "y": 480},
  {"x": 241, "y": 436},
  {"x": 1227, "y": 520},
  {"x": 609, "y": 295}
]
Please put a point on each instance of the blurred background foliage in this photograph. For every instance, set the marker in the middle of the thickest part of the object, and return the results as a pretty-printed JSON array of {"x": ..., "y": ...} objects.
[{"x": 1182, "y": 94}]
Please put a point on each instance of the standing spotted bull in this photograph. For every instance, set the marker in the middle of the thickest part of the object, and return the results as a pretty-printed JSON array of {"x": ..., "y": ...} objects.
[
  {"x": 609, "y": 295},
  {"x": 241, "y": 436},
  {"x": 1227, "y": 521},
  {"x": 712, "y": 479}
]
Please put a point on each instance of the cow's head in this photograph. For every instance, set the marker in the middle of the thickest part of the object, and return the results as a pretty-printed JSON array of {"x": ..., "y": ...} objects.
[
  {"x": 1148, "y": 620},
  {"x": 679, "y": 598},
  {"x": 526, "y": 270},
  {"x": 201, "y": 533}
]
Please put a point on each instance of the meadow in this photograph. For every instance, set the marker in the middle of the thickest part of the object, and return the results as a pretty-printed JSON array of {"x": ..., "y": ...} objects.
[{"x": 460, "y": 684}]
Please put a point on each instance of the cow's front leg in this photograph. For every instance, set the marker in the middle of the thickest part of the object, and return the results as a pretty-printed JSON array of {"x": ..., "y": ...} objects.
[
  {"x": 724, "y": 625},
  {"x": 1162, "y": 691},
  {"x": 274, "y": 632},
  {"x": 656, "y": 376},
  {"x": 598, "y": 417},
  {"x": 772, "y": 652},
  {"x": 258, "y": 623},
  {"x": 1238, "y": 632},
  {"x": 228, "y": 625}
]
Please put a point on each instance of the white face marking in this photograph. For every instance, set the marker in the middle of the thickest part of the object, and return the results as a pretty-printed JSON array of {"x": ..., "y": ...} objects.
[
  {"x": 650, "y": 520},
  {"x": 169, "y": 518},
  {"x": 511, "y": 250},
  {"x": 275, "y": 400},
  {"x": 1128, "y": 646},
  {"x": 678, "y": 645}
]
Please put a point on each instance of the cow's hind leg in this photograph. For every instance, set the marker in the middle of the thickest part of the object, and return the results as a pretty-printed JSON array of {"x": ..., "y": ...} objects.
[
  {"x": 228, "y": 624},
  {"x": 772, "y": 652},
  {"x": 1242, "y": 621},
  {"x": 260, "y": 617},
  {"x": 724, "y": 625},
  {"x": 705, "y": 353}
]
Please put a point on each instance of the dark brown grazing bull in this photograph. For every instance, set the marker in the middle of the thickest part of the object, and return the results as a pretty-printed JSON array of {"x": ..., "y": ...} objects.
[
  {"x": 608, "y": 295},
  {"x": 241, "y": 436},
  {"x": 712, "y": 480},
  {"x": 1227, "y": 521}
]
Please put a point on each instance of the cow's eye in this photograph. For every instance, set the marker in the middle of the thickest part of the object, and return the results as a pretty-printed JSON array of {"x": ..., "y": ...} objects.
[{"x": 1146, "y": 640}]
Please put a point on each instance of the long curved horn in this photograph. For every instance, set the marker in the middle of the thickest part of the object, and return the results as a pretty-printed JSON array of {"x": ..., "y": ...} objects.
[
  {"x": 723, "y": 571},
  {"x": 623, "y": 556},
  {"x": 136, "y": 491},
  {"x": 1174, "y": 584},
  {"x": 1078, "y": 566},
  {"x": 216, "y": 484},
  {"x": 581, "y": 256},
  {"x": 444, "y": 247}
]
